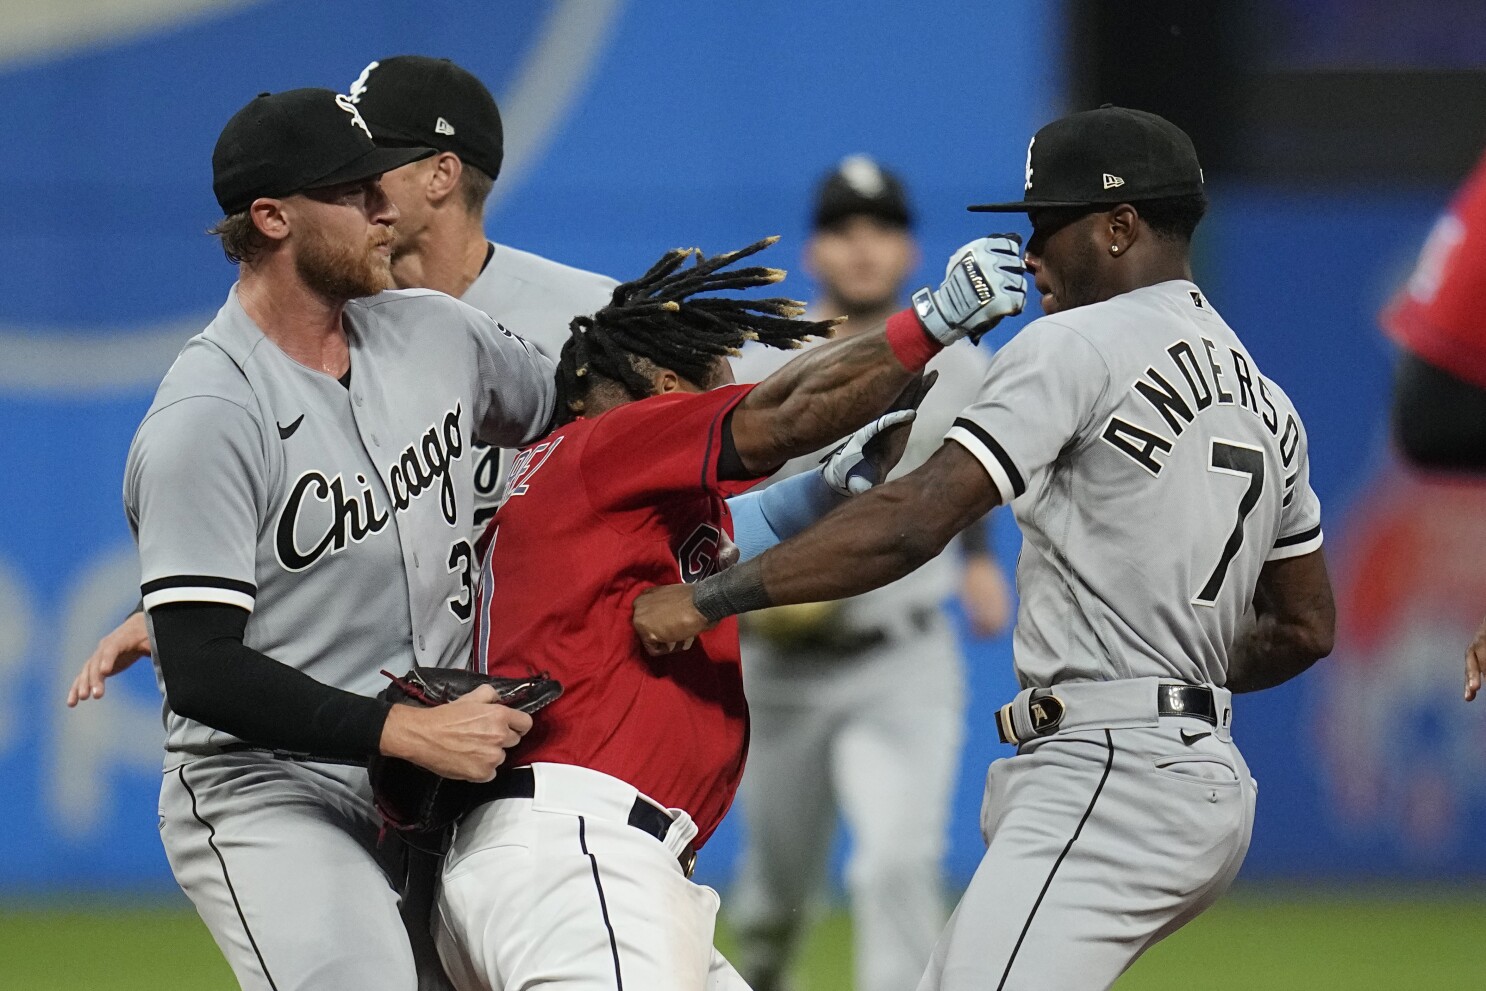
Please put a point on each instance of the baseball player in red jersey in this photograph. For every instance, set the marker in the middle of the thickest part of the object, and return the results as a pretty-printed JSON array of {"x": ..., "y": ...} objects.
[{"x": 574, "y": 872}]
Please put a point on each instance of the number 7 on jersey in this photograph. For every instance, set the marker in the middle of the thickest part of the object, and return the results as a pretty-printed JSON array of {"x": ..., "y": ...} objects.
[{"x": 1231, "y": 458}]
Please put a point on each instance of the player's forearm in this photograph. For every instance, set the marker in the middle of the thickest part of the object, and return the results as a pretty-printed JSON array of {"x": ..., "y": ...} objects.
[
  {"x": 827, "y": 393},
  {"x": 764, "y": 517},
  {"x": 1293, "y": 627},
  {"x": 874, "y": 539},
  {"x": 211, "y": 676},
  {"x": 785, "y": 574},
  {"x": 1272, "y": 651}
]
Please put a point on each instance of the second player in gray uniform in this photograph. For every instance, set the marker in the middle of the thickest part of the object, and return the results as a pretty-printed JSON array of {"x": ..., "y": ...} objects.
[
  {"x": 301, "y": 493},
  {"x": 1172, "y": 556},
  {"x": 815, "y": 675},
  {"x": 441, "y": 242}
]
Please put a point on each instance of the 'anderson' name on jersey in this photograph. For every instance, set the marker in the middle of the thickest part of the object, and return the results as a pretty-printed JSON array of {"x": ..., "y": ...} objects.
[{"x": 1153, "y": 470}]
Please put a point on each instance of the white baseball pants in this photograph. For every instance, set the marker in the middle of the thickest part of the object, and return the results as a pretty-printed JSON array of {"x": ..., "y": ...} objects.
[{"x": 558, "y": 891}]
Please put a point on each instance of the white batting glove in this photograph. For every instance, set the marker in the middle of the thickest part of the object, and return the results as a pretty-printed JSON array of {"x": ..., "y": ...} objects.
[
  {"x": 856, "y": 465},
  {"x": 985, "y": 281}
]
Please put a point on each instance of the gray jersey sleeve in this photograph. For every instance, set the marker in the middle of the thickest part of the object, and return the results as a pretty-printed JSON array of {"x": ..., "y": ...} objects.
[
  {"x": 194, "y": 491},
  {"x": 517, "y": 388},
  {"x": 1300, "y": 514},
  {"x": 1043, "y": 390}
]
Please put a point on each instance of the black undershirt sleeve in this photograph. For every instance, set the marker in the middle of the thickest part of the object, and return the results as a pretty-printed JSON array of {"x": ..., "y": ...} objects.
[
  {"x": 729, "y": 463},
  {"x": 1439, "y": 420},
  {"x": 211, "y": 676}
]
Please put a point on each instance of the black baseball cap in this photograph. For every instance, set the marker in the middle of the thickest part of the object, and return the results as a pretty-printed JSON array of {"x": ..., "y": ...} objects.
[
  {"x": 285, "y": 143},
  {"x": 417, "y": 100},
  {"x": 1106, "y": 156},
  {"x": 859, "y": 185}
]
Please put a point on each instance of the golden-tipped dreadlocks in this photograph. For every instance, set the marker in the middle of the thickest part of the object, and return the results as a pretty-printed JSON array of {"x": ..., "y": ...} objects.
[{"x": 660, "y": 318}]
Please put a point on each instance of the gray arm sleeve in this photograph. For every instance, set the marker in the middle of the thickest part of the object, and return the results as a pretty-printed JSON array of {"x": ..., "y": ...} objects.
[{"x": 764, "y": 517}]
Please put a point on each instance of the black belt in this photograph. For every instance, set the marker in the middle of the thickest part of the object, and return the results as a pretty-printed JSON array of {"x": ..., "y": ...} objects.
[
  {"x": 521, "y": 782},
  {"x": 1044, "y": 710},
  {"x": 1195, "y": 701}
]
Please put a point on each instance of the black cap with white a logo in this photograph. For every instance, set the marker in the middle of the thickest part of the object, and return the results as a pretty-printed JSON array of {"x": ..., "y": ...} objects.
[
  {"x": 417, "y": 100},
  {"x": 1105, "y": 156},
  {"x": 285, "y": 143}
]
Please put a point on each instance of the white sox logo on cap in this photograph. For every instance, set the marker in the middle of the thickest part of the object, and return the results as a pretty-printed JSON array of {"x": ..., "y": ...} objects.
[
  {"x": 359, "y": 86},
  {"x": 348, "y": 104},
  {"x": 1028, "y": 186}
]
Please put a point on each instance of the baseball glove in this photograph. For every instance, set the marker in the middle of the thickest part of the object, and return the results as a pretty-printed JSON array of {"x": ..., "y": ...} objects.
[{"x": 414, "y": 801}]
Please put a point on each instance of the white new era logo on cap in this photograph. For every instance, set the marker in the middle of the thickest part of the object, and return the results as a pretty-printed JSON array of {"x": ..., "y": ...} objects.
[
  {"x": 1112, "y": 181},
  {"x": 442, "y": 126}
]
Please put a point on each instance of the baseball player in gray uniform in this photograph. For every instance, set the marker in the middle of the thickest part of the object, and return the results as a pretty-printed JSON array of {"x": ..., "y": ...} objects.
[
  {"x": 815, "y": 675},
  {"x": 415, "y": 101},
  {"x": 1172, "y": 556},
  {"x": 301, "y": 492}
]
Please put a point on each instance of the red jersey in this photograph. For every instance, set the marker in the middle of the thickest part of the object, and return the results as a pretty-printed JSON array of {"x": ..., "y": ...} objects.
[
  {"x": 597, "y": 512},
  {"x": 1440, "y": 315}
]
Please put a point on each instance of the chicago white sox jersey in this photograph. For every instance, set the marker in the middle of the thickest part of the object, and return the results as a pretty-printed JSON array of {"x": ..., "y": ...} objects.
[
  {"x": 537, "y": 298},
  {"x": 962, "y": 368},
  {"x": 339, "y": 517},
  {"x": 1153, "y": 471}
]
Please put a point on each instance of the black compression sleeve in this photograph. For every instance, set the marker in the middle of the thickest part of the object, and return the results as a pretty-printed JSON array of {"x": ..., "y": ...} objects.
[
  {"x": 1439, "y": 420},
  {"x": 211, "y": 676}
]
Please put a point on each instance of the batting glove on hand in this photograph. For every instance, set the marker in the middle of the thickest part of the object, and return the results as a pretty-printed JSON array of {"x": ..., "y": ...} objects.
[
  {"x": 985, "y": 281},
  {"x": 853, "y": 468}
]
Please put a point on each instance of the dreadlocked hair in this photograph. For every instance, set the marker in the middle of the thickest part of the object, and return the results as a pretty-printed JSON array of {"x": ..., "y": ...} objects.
[{"x": 662, "y": 320}]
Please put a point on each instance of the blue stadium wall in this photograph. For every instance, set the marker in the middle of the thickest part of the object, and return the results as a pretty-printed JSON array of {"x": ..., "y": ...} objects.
[{"x": 633, "y": 127}]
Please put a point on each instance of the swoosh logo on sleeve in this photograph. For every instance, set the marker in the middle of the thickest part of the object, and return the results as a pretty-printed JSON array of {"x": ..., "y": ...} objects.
[{"x": 286, "y": 432}]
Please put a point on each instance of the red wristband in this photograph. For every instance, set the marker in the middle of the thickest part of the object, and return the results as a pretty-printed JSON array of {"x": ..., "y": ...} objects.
[{"x": 910, "y": 342}]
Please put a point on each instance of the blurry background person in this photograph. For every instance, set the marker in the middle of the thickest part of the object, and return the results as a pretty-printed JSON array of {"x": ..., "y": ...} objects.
[
  {"x": 1438, "y": 320},
  {"x": 824, "y": 681}
]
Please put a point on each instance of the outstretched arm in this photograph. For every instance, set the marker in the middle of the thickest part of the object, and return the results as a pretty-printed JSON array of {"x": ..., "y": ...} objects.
[
  {"x": 832, "y": 390},
  {"x": 1295, "y": 623},
  {"x": 874, "y": 539},
  {"x": 764, "y": 517}
]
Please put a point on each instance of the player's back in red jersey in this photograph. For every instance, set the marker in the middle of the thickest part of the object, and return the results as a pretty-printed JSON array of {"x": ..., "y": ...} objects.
[{"x": 598, "y": 511}]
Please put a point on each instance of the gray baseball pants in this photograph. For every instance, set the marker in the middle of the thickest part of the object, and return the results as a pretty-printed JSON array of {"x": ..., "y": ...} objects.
[
  {"x": 281, "y": 860},
  {"x": 1100, "y": 841}
]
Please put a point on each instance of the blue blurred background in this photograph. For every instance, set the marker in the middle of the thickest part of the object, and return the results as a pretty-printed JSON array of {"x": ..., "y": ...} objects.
[{"x": 633, "y": 127}]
